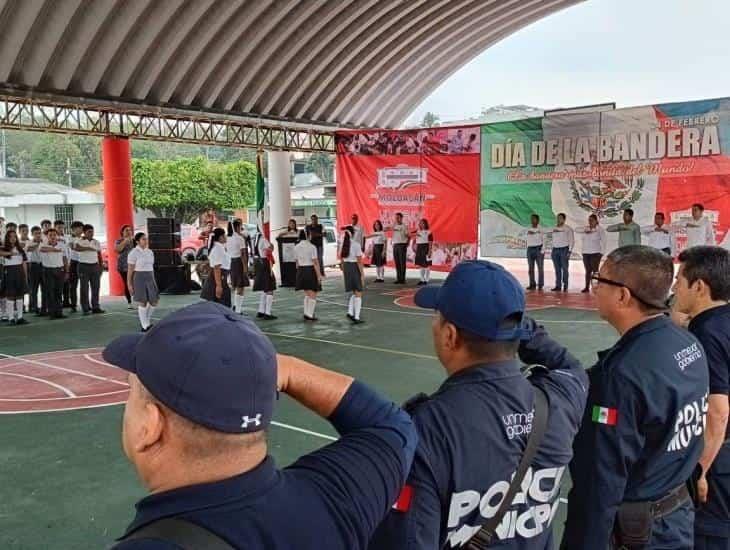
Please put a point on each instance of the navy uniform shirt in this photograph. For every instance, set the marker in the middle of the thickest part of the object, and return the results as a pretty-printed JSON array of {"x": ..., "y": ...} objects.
[
  {"x": 332, "y": 498},
  {"x": 473, "y": 432},
  {"x": 712, "y": 328},
  {"x": 642, "y": 432}
]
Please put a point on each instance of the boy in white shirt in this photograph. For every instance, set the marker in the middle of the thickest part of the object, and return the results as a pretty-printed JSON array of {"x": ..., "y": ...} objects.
[
  {"x": 90, "y": 269},
  {"x": 535, "y": 237}
]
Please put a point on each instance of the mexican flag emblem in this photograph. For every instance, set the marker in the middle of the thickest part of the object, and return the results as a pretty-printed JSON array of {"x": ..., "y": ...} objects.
[{"x": 605, "y": 415}]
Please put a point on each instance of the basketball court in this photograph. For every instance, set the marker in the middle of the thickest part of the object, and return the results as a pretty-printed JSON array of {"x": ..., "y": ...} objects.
[{"x": 65, "y": 480}]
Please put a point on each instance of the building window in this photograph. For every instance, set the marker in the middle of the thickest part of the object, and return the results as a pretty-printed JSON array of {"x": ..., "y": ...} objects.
[
  {"x": 66, "y": 213},
  {"x": 297, "y": 212}
]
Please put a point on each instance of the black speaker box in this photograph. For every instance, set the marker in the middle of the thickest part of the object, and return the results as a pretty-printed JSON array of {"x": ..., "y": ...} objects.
[
  {"x": 162, "y": 225},
  {"x": 173, "y": 280},
  {"x": 167, "y": 258},
  {"x": 164, "y": 241}
]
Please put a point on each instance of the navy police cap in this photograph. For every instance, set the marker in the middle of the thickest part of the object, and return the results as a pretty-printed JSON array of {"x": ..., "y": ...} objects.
[
  {"x": 479, "y": 296},
  {"x": 207, "y": 364}
]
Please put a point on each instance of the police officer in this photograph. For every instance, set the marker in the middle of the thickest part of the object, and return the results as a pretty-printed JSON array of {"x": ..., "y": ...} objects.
[
  {"x": 203, "y": 383},
  {"x": 473, "y": 430},
  {"x": 641, "y": 434},
  {"x": 702, "y": 291}
]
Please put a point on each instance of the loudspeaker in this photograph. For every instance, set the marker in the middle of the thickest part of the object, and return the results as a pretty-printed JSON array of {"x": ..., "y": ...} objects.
[
  {"x": 164, "y": 241},
  {"x": 162, "y": 225},
  {"x": 173, "y": 280},
  {"x": 167, "y": 258}
]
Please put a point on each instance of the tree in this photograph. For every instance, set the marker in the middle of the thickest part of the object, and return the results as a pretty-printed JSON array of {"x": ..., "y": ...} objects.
[
  {"x": 182, "y": 189},
  {"x": 322, "y": 164},
  {"x": 430, "y": 120}
]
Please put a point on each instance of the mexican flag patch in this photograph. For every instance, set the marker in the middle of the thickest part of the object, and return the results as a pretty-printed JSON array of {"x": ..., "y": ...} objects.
[{"x": 604, "y": 415}]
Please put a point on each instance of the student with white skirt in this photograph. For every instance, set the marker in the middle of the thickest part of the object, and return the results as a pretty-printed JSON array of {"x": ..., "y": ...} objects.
[
  {"x": 141, "y": 280},
  {"x": 352, "y": 268},
  {"x": 309, "y": 277},
  {"x": 237, "y": 248}
]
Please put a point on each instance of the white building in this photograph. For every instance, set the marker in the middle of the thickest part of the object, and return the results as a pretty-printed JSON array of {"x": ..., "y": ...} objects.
[{"x": 32, "y": 200}]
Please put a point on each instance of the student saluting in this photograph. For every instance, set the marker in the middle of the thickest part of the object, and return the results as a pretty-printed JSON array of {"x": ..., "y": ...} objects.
[
  {"x": 378, "y": 257},
  {"x": 352, "y": 269},
  {"x": 215, "y": 288},
  {"x": 141, "y": 279},
  {"x": 89, "y": 269},
  {"x": 55, "y": 272},
  {"x": 237, "y": 248},
  {"x": 36, "y": 269},
  {"x": 308, "y": 274},
  {"x": 264, "y": 280},
  {"x": 15, "y": 280},
  {"x": 400, "y": 248},
  {"x": 424, "y": 247}
]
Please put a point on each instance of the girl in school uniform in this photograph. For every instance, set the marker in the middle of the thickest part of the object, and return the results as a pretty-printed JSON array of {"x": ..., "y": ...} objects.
[
  {"x": 15, "y": 278},
  {"x": 424, "y": 248},
  {"x": 309, "y": 278},
  {"x": 264, "y": 281},
  {"x": 352, "y": 268},
  {"x": 378, "y": 257},
  {"x": 141, "y": 280},
  {"x": 237, "y": 248},
  {"x": 216, "y": 287}
]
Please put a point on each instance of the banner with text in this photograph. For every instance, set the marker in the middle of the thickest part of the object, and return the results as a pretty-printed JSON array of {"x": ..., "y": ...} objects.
[
  {"x": 431, "y": 174},
  {"x": 660, "y": 158}
]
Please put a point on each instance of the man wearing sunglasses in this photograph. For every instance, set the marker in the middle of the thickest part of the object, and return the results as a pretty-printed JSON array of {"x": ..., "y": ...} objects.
[{"x": 642, "y": 431}]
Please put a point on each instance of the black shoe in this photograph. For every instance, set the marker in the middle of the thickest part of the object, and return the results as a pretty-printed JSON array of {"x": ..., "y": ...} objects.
[
  {"x": 555, "y": 289},
  {"x": 73, "y": 309},
  {"x": 66, "y": 305},
  {"x": 146, "y": 329},
  {"x": 85, "y": 313},
  {"x": 585, "y": 290},
  {"x": 565, "y": 289},
  {"x": 268, "y": 317},
  {"x": 21, "y": 321},
  {"x": 307, "y": 318},
  {"x": 12, "y": 322},
  {"x": 350, "y": 317},
  {"x": 260, "y": 315},
  {"x": 357, "y": 321},
  {"x": 4, "y": 320},
  {"x": 41, "y": 314},
  {"x": 59, "y": 316},
  {"x": 530, "y": 287},
  {"x": 97, "y": 311},
  {"x": 539, "y": 288}
]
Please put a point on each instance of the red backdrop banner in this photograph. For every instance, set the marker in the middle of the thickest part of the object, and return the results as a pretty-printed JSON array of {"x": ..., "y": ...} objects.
[{"x": 431, "y": 174}]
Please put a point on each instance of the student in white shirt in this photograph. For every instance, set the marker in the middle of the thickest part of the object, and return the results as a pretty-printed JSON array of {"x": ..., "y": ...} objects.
[
  {"x": 60, "y": 227},
  {"x": 45, "y": 226},
  {"x": 141, "y": 279},
  {"x": 237, "y": 248},
  {"x": 594, "y": 247},
  {"x": 90, "y": 268},
  {"x": 378, "y": 258},
  {"x": 55, "y": 272},
  {"x": 563, "y": 242},
  {"x": 699, "y": 229},
  {"x": 359, "y": 230},
  {"x": 401, "y": 236},
  {"x": 35, "y": 276},
  {"x": 424, "y": 248},
  {"x": 15, "y": 277},
  {"x": 215, "y": 287},
  {"x": 352, "y": 269},
  {"x": 535, "y": 238},
  {"x": 660, "y": 236},
  {"x": 264, "y": 280},
  {"x": 309, "y": 278},
  {"x": 77, "y": 230}
]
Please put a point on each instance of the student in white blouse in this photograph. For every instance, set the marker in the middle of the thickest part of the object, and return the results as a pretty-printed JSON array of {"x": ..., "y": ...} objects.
[
  {"x": 535, "y": 239},
  {"x": 309, "y": 277},
  {"x": 352, "y": 269},
  {"x": 424, "y": 248},
  {"x": 563, "y": 242},
  {"x": 401, "y": 237},
  {"x": 215, "y": 288},
  {"x": 378, "y": 258},
  {"x": 660, "y": 236},
  {"x": 237, "y": 248},
  {"x": 594, "y": 247},
  {"x": 141, "y": 280}
]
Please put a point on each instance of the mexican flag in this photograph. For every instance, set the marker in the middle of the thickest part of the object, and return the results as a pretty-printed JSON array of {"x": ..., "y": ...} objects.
[
  {"x": 658, "y": 158},
  {"x": 262, "y": 210},
  {"x": 604, "y": 415}
]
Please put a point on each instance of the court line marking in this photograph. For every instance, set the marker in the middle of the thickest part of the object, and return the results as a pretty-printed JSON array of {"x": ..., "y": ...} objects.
[
  {"x": 51, "y": 354},
  {"x": 302, "y": 430},
  {"x": 72, "y": 371},
  {"x": 104, "y": 363},
  {"x": 44, "y": 399},
  {"x": 67, "y": 409},
  {"x": 59, "y": 387}
]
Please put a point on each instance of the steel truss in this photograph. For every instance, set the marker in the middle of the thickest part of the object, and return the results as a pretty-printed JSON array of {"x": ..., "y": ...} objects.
[{"x": 48, "y": 115}]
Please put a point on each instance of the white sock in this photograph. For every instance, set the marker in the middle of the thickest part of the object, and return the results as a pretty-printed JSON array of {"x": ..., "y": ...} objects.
[
  {"x": 262, "y": 303},
  {"x": 427, "y": 274},
  {"x": 10, "y": 308},
  {"x": 312, "y": 305},
  {"x": 358, "y": 305},
  {"x": 150, "y": 310},
  {"x": 423, "y": 274},
  {"x": 306, "y": 306},
  {"x": 269, "y": 303},
  {"x": 351, "y": 306},
  {"x": 239, "y": 306},
  {"x": 142, "y": 314},
  {"x": 19, "y": 308}
]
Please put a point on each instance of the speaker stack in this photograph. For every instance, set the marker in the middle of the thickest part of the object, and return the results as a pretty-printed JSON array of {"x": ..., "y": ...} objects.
[{"x": 164, "y": 237}]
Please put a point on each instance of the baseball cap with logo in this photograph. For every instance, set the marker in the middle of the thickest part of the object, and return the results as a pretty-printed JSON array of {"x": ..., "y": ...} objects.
[
  {"x": 207, "y": 364},
  {"x": 479, "y": 297}
]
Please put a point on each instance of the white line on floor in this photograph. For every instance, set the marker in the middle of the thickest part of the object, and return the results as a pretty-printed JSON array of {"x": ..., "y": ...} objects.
[{"x": 72, "y": 371}]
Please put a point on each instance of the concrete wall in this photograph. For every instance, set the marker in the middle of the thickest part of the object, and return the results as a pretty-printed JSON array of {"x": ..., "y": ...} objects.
[{"x": 34, "y": 213}]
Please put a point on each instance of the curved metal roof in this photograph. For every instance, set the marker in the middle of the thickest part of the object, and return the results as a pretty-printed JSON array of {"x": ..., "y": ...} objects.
[{"x": 330, "y": 62}]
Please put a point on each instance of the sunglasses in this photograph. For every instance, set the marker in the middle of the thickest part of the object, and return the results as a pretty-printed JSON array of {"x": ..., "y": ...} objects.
[{"x": 596, "y": 279}]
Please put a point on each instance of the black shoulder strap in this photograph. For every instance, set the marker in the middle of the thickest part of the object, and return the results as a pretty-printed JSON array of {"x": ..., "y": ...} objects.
[
  {"x": 485, "y": 536},
  {"x": 183, "y": 533}
]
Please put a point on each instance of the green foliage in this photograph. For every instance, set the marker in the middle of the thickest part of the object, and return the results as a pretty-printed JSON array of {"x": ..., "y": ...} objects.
[
  {"x": 430, "y": 120},
  {"x": 322, "y": 164},
  {"x": 184, "y": 188}
]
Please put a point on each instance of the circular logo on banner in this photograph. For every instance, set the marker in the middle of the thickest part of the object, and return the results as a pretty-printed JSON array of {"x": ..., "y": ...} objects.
[{"x": 59, "y": 381}]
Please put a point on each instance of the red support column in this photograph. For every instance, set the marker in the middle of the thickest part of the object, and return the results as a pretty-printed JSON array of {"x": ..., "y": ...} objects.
[{"x": 116, "y": 157}]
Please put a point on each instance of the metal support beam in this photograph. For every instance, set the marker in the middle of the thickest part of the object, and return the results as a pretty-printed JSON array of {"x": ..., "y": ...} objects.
[{"x": 47, "y": 115}]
